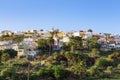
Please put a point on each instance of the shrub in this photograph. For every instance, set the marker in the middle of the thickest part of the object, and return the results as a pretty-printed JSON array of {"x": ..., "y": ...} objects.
[
  {"x": 41, "y": 72},
  {"x": 104, "y": 75},
  {"x": 1, "y": 63},
  {"x": 93, "y": 70},
  {"x": 104, "y": 63},
  {"x": 21, "y": 63},
  {"x": 110, "y": 69},
  {"x": 57, "y": 72},
  {"x": 8, "y": 72},
  {"x": 45, "y": 72},
  {"x": 115, "y": 56},
  {"x": 118, "y": 66},
  {"x": 22, "y": 76},
  {"x": 60, "y": 72},
  {"x": 62, "y": 60},
  {"x": 33, "y": 77}
]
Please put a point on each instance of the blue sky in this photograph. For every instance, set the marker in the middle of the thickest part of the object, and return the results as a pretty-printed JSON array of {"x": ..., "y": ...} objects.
[{"x": 66, "y": 15}]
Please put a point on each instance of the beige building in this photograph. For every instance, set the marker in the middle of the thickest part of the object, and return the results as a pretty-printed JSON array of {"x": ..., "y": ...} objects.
[
  {"x": 10, "y": 33},
  {"x": 20, "y": 52}
]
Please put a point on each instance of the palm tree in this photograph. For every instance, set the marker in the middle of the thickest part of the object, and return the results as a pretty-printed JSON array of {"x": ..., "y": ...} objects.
[
  {"x": 54, "y": 32},
  {"x": 50, "y": 43},
  {"x": 41, "y": 30},
  {"x": 90, "y": 30}
]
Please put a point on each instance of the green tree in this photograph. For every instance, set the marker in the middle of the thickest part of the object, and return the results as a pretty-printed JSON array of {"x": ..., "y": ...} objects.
[
  {"x": 94, "y": 53},
  {"x": 41, "y": 30},
  {"x": 72, "y": 49},
  {"x": 1, "y": 63},
  {"x": 66, "y": 46},
  {"x": 90, "y": 30},
  {"x": 76, "y": 42},
  {"x": 94, "y": 71},
  {"x": 12, "y": 53},
  {"x": 8, "y": 73},
  {"x": 54, "y": 32},
  {"x": 92, "y": 43},
  {"x": 79, "y": 69},
  {"x": 59, "y": 72},
  {"x": 5, "y": 57},
  {"x": 42, "y": 44},
  {"x": 115, "y": 56},
  {"x": 110, "y": 69},
  {"x": 103, "y": 63}
]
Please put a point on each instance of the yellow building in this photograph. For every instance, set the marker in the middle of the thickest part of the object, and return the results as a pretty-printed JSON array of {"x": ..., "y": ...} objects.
[{"x": 61, "y": 34}]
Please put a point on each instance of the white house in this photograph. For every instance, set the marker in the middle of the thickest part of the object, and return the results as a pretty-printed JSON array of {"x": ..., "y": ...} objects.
[
  {"x": 65, "y": 39},
  {"x": 117, "y": 46},
  {"x": 101, "y": 40},
  {"x": 56, "y": 40},
  {"x": 117, "y": 39},
  {"x": 111, "y": 46},
  {"x": 32, "y": 31},
  {"x": 77, "y": 33},
  {"x": 18, "y": 33},
  {"x": 44, "y": 34},
  {"x": 15, "y": 46},
  {"x": 88, "y": 35},
  {"x": 5, "y": 45},
  {"x": 28, "y": 48}
]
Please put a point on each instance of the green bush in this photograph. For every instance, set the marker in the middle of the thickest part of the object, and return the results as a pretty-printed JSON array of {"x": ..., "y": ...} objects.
[
  {"x": 110, "y": 69},
  {"x": 118, "y": 66},
  {"x": 93, "y": 70},
  {"x": 21, "y": 63},
  {"x": 22, "y": 76},
  {"x": 1, "y": 63},
  {"x": 33, "y": 77},
  {"x": 104, "y": 63},
  {"x": 57, "y": 72},
  {"x": 45, "y": 72},
  {"x": 41, "y": 72},
  {"x": 104, "y": 75},
  {"x": 8, "y": 72}
]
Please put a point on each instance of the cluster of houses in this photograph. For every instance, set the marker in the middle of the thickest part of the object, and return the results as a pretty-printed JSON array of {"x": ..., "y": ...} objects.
[{"x": 28, "y": 47}]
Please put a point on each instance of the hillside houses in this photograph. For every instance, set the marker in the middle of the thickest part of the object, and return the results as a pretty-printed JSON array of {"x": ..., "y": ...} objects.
[
  {"x": 28, "y": 48},
  {"x": 117, "y": 39},
  {"x": 28, "y": 45},
  {"x": 7, "y": 32},
  {"x": 5, "y": 45},
  {"x": 108, "y": 43}
]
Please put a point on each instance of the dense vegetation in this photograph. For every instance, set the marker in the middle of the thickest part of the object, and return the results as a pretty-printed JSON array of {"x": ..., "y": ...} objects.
[{"x": 72, "y": 62}]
